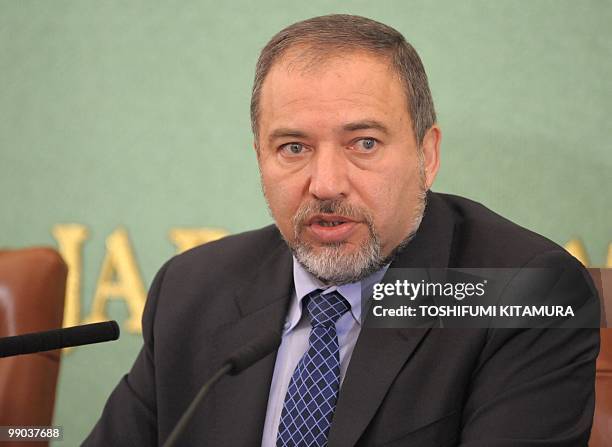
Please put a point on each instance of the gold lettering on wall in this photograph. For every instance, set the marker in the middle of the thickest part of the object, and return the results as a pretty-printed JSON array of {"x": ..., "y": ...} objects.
[
  {"x": 119, "y": 279},
  {"x": 70, "y": 238},
  {"x": 186, "y": 238},
  {"x": 575, "y": 247}
]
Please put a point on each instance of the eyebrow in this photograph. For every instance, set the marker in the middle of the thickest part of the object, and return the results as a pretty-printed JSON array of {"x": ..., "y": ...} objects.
[
  {"x": 365, "y": 125},
  {"x": 285, "y": 132}
]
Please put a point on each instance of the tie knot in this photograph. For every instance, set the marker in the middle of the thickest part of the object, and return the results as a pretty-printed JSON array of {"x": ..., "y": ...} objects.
[{"x": 324, "y": 310}]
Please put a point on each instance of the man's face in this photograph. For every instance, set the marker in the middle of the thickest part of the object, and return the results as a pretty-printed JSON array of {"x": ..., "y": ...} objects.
[{"x": 339, "y": 163}]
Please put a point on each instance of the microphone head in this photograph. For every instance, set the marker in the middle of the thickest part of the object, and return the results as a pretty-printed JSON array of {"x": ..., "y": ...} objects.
[
  {"x": 244, "y": 357},
  {"x": 91, "y": 333},
  {"x": 59, "y": 338}
]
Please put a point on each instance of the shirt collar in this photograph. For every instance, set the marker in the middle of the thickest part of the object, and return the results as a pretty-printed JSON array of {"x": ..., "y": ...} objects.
[{"x": 305, "y": 283}]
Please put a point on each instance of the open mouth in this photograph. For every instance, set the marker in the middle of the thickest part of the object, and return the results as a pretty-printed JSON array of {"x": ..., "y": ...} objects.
[
  {"x": 328, "y": 228},
  {"x": 328, "y": 220},
  {"x": 335, "y": 223}
]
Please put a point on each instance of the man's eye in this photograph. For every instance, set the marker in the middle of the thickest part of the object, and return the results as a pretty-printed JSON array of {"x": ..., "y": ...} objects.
[
  {"x": 366, "y": 144},
  {"x": 293, "y": 148}
]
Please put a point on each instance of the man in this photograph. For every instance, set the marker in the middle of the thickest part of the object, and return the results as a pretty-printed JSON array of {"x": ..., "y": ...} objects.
[{"x": 348, "y": 147}]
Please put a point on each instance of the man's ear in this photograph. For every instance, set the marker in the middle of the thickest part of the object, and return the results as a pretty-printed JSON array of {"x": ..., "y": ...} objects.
[{"x": 431, "y": 153}]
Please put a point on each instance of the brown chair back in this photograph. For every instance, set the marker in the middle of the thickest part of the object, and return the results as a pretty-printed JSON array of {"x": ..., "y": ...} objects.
[
  {"x": 32, "y": 287},
  {"x": 601, "y": 434}
]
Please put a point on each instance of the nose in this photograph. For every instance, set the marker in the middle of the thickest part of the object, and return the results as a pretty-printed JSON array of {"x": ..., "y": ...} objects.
[{"x": 329, "y": 178}]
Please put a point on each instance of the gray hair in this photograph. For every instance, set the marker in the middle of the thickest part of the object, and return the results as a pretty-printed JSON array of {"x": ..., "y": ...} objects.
[{"x": 338, "y": 33}]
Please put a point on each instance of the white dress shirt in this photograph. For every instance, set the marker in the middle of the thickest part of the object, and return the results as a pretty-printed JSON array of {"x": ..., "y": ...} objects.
[{"x": 296, "y": 332}]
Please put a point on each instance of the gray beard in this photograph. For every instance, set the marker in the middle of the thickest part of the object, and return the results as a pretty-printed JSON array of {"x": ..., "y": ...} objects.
[{"x": 330, "y": 263}]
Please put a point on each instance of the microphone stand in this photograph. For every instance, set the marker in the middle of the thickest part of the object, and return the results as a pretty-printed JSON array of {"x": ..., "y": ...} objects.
[{"x": 178, "y": 428}]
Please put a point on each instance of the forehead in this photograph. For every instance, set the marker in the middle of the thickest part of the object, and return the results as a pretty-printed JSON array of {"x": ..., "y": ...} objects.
[{"x": 354, "y": 85}]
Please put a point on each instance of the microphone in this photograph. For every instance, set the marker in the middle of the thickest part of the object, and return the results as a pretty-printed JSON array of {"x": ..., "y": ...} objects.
[
  {"x": 59, "y": 338},
  {"x": 235, "y": 364}
]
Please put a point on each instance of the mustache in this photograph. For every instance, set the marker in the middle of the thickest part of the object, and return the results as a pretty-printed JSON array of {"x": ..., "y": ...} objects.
[{"x": 309, "y": 209}]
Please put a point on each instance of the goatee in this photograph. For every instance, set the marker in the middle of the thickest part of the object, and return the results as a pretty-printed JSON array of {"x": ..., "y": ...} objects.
[{"x": 331, "y": 263}]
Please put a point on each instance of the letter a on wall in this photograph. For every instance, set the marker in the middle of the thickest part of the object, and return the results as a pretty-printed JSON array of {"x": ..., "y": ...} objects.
[{"x": 119, "y": 279}]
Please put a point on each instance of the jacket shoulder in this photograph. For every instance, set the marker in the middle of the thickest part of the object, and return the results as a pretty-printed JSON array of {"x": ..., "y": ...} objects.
[
  {"x": 485, "y": 237},
  {"x": 239, "y": 252},
  {"x": 202, "y": 281}
]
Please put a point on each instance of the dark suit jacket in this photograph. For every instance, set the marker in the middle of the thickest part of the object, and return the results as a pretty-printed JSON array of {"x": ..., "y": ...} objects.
[{"x": 404, "y": 387}]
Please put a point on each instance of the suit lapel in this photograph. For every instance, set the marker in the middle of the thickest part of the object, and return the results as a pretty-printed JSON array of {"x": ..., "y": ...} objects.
[
  {"x": 241, "y": 401},
  {"x": 380, "y": 354}
]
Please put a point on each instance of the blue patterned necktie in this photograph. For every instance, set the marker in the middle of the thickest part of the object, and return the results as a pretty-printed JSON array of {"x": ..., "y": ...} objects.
[{"x": 313, "y": 390}]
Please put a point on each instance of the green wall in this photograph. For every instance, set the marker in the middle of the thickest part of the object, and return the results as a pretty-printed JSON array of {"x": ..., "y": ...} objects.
[{"x": 135, "y": 113}]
